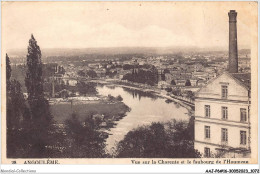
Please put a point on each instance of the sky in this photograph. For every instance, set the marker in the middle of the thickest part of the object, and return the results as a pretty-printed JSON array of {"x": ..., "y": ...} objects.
[{"x": 124, "y": 24}]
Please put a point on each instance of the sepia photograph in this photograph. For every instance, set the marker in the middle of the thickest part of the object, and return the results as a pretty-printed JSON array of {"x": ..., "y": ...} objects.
[{"x": 115, "y": 82}]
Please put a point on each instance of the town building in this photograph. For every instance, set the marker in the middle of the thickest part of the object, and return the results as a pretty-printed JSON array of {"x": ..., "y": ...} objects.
[
  {"x": 222, "y": 109},
  {"x": 222, "y": 116}
]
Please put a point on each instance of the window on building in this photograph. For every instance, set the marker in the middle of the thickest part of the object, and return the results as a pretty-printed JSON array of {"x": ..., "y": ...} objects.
[
  {"x": 243, "y": 115},
  {"x": 206, "y": 152},
  {"x": 243, "y": 137},
  {"x": 224, "y": 111},
  {"x": 207, "y": 131},
  {"x": 224, "y": 91},
  {"x": 224, "y": 135},
  {"x": 207, "y": 110}
]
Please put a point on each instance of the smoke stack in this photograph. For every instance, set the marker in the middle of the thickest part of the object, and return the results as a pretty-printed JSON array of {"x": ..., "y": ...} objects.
[{"x": 233, "y": 58}]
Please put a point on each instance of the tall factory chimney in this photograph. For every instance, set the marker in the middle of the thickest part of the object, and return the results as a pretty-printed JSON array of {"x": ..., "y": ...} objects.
[{"x": 233, "y": 57}]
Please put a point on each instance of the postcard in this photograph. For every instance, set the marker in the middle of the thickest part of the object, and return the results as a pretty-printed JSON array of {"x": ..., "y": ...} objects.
[{"x": 129, "y": 83}]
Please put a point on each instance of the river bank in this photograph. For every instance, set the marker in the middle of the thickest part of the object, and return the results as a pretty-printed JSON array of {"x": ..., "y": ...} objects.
[
  {"x": 158, "y": 93},
  {"x": 146, "y": 108},
  {"x": 105, "y": 112}
]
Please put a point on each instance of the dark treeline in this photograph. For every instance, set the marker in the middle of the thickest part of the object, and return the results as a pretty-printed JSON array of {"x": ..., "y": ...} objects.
[
  {"x": 89, "y": 73},
  {"x": 86, "y": 88},
  {"x": 173, "y": 139},
  {"x": 146, "y": 76}
]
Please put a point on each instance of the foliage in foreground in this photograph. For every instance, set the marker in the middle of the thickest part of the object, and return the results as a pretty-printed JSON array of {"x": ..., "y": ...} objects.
[
  {"x": 30, "y": 127},
  {"x": 83, "y": 140},
  {"x": 169, "y": 140}
]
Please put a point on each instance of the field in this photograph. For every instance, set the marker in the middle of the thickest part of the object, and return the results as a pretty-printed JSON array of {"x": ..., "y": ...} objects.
[{"x": 62, "y": 111}]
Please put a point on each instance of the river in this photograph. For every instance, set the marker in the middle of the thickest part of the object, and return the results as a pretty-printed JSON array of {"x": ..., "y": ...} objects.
[{"x": 145, "y": 109}]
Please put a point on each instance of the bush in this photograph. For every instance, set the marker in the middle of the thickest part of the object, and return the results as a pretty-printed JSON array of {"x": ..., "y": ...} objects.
[
  {"x": 187, "y": 83},
  {"x": 83, "y": 140},
  {"x": 170, "y": 140},
  {"x": 168, "y": 89},
  {"x": 173, "y": 83},
  {"x": 119, "y": 98},
  {"x": 110, "y": 97}
]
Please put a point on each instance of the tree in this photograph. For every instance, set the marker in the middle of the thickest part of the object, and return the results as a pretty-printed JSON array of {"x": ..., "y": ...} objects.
[
  {"x": 166, "y": 71},
  {"x": 61, "y": 70},
  {"x": 34, "y": 83},
  {"x": 8, "y": 68},
  {"x": 163, "y": 77},
  {"x": 142, "y": 76},
  {"x": 168, "y": 89},
  {"x": 190, "y": 95},
  {"x": 84, "y": 140},
  {"x": 176, "y": 92},
  {"x": 33, "y": 79},
  {"x": 110, "y": 97},
  {"x": 14, "y": 111},
  {"x": 86, "y": 88},
  {"x": 8, "y": 97},
  {"x": 190, "y": 128},
  {"x": 16, "y": 114},
  {"x": 127, "y": 67},
  {"x": 48, "y": 70},
  {"x": 8, "y": 73},
  {"x": 81, "y": 73},
  {"x": 110, "y": 73},
  {"x": 92, "y": 74},
  {"x": 119, "y": 98},
  {"x": 169, "y": 140},
  {"x": 41, "y": 123},
  {"x": 128, "y": 77},
  {"x": 173, "y": 83},
  {"x": 15, "y": 104},
  {"x": 187, "y": 83}
]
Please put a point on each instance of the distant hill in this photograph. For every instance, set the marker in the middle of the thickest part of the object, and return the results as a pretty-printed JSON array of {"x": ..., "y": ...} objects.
[
  {"x": 107, "y": 52},
  {"x": 112, "y": 50},
  {"x": 244, "y": 51}
]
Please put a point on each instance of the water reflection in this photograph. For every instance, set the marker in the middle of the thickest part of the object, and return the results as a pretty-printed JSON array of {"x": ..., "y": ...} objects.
[{"x": 139, "y": 94}]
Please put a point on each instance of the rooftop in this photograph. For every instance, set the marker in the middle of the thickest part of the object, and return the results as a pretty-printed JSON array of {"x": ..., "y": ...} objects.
[{"x": 244, "y": 78}]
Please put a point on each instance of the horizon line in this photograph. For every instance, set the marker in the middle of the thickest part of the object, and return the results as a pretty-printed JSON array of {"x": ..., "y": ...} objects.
[{"x": 169, "y": 47}]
